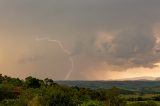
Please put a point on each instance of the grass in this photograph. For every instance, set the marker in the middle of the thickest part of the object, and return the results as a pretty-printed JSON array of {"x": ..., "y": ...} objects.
[{"x": 133, "y": 102}]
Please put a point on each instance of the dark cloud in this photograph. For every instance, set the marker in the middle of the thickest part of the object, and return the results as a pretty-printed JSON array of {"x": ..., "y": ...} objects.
[{"x": 117, "y": 34}]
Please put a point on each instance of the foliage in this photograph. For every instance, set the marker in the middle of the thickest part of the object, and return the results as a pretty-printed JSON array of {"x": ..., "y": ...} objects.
[
  {"x": 113, "y": 98},
  {"x": 36, "y": 92},
  {"x": 92, "y": 103},
  {"x": 32, "y": 82},
  {"x": 148, "y": 103}
]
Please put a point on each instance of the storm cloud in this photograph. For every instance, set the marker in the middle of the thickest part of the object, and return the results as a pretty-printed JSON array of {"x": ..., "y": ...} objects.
[{"x": 112, "y": 35}]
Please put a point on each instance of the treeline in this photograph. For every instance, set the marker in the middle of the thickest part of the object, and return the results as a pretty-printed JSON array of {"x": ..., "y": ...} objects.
[{"x": 36, "y": 92}]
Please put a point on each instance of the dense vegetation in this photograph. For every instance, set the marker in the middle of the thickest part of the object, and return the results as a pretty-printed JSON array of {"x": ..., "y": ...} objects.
[{"x": 36, "y": 92}]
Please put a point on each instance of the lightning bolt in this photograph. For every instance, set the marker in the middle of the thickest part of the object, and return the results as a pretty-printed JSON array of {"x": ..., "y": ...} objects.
[{"x": 65, "y": 51}]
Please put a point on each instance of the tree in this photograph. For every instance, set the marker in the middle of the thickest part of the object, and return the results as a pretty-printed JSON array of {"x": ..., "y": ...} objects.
[
  {"x": 35, "y": 101},
  {"x": 32, "y": 82},
  {"x": 1, "y": 78},
  {"x": 48, "y": 81},
  {"x": 113, "y": 98}
]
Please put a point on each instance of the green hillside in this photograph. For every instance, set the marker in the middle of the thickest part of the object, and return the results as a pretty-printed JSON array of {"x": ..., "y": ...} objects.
[{"x": 36, "y": 92}]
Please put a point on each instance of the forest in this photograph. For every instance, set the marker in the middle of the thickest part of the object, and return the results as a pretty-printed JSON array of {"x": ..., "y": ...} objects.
[{"x": 36, "y": 92}]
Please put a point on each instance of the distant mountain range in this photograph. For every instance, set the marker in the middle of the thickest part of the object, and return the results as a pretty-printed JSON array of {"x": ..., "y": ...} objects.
[
  {"x": 144, "y": 78},
  {"x": 142, "y": 84},
  {"x": 135, "y": 84}
]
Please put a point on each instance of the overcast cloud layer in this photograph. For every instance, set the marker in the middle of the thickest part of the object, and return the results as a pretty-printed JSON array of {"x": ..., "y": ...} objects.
[{"x": 109, "y": 35}]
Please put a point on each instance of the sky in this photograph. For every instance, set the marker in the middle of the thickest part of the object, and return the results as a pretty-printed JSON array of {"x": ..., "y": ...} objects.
[{"x": 80, "y": 39}]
